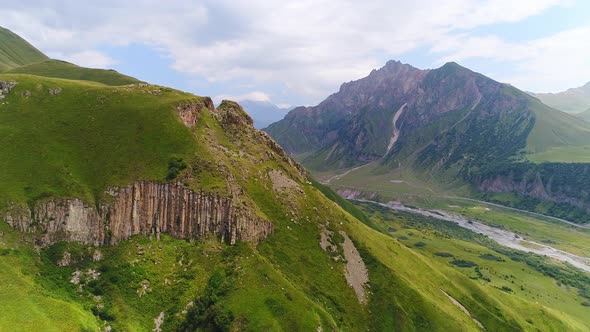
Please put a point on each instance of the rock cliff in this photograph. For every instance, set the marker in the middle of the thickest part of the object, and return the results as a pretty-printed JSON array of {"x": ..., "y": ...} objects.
[
  {"x": 143, "y": 208},
  {"x": 190, "y": 113}
]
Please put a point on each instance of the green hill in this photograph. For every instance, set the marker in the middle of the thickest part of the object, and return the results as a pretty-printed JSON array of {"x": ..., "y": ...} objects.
[
  {"x": 62, "y": 69},
  {"x": 86, "y": 137},
  {"x": 140, "y": 207},
  {"x": 554, "y": 129},
  {"x": 17, "y": 56},
  {"x": 16, "y": 52}
]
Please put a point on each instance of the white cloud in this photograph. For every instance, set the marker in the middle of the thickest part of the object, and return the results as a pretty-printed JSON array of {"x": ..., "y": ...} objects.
[
  {"x": 254, "y": 96},
  {"x": 284, "y": 106},
  {"x": 561, "y": 60},
  {"x": 91, "y": 59},
  {"x": 306, "y": 46}
]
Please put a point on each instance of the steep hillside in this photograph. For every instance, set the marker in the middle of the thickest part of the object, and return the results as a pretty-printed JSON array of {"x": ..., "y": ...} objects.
[
  {"x": 139, "y": 207},
  {"x": 448, "y": 125},
  {"x": 575, "y": 100},
  {"x": 585, "y": 115},
  {"x": 204, "y": 222},
  {"x": 16, "y": 52},
  {"x": 17, "y": 56}
]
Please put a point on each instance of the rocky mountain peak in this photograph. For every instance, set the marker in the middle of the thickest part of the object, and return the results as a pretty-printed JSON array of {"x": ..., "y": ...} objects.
[{"x": 232, "y": 114}]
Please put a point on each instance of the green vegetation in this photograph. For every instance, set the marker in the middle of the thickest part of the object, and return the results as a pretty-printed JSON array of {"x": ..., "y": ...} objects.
[
  {"x": 563, "y": 154},
  {"x": 87, "y": 137},
  {"x": 513, "y": 276},
  {"x": 463, "y": 263},
  {"x": 76, "y": 138},
  {"x": 15, "y": 51},
  {"x": 62, "y": 69},
  {"x": 344, "y": 204},
  {"x": 556, "y": 130}
]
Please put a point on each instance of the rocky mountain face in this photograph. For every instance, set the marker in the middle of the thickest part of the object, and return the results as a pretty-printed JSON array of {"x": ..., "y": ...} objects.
[
  {"x": 574, "y": 100},
  {"x": 448, "y": 124},
  {"x": 356, "y": 125},
  {"x": 145, "y": 208}
]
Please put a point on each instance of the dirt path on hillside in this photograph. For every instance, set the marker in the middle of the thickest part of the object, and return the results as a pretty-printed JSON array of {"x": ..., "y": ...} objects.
[{"x": 339, "y": 176}]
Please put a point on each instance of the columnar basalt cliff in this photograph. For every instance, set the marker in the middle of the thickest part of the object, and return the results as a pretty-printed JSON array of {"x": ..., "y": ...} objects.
[{"x": 143, "y": 208}]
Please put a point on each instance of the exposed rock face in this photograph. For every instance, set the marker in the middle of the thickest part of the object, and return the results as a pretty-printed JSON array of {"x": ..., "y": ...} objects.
[
  {"x": 190, "y": 113},
  {"x": 232, "y": 115},
  {"x": 537, "y": 187},
  {"x": 143, "y": 208}
]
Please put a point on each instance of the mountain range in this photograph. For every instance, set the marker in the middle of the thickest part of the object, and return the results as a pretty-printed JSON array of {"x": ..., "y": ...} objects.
[
  {"x": 263, "y": 112},
  {"x": 574, "y": 100},
  {"x": 453, "y": 127},
  {"x": 128, "y": 206}
]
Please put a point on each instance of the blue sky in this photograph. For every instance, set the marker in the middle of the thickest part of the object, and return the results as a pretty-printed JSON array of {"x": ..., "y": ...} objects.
[{"x": 298, "y": 52}]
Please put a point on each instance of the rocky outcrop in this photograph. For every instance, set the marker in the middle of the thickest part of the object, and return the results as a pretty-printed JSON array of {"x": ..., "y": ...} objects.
[
  {"x": 143, "y": 208},
  {"x": 231, "y": 115},
  {"x": 5, "y": 88},
  {"x": 190, "y": 113}
]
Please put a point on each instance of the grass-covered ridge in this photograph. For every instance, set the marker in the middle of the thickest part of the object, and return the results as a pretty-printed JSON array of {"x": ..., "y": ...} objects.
[
  {"x": 76, "y": 138},
  {"x": 15, "y": 51},
  {"x": 556, "y": 136},
  {"x": 62, "y": 69}
]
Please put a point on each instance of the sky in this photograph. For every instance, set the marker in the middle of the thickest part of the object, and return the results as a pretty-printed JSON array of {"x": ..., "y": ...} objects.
[{"x": 299, "y": 52}]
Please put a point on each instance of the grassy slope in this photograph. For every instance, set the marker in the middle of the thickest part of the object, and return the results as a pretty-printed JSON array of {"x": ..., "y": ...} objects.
[
  {"x": 571, "y": 101},
  {"x": 15, "y": 51},
  {"x": 585, "y": 115},
  {"x": 91, "y": 136},
  {"x": 62, "y": 69},
  {"x": 526, "y": 284},
  {"x": 288, "y": 282},
  {"x": 557, "y": 136},
  {"x": 26, "y": 305},
  {"x": 86, "y": 138}
]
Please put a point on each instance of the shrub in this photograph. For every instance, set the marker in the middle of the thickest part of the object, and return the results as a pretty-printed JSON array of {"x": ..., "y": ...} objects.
[
  {"x": 175, "y": 166},
  {"x": 463, "y": 263}
]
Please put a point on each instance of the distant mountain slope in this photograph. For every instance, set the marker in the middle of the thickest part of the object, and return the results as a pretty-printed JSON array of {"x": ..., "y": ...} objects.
[
  {"x": 573, "y": 100},
  {"x": 15, "y": 51},
  {"x": 62, "y": 69},
  {"x": 263, "y": 112},
  {"x": 555, "y": 129},
  {"x": 585, "y": 115},
  {"x": 449, "y": 124},
  {"x": 355, "y": 125},
  {"x": 17, "y": 56}
]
